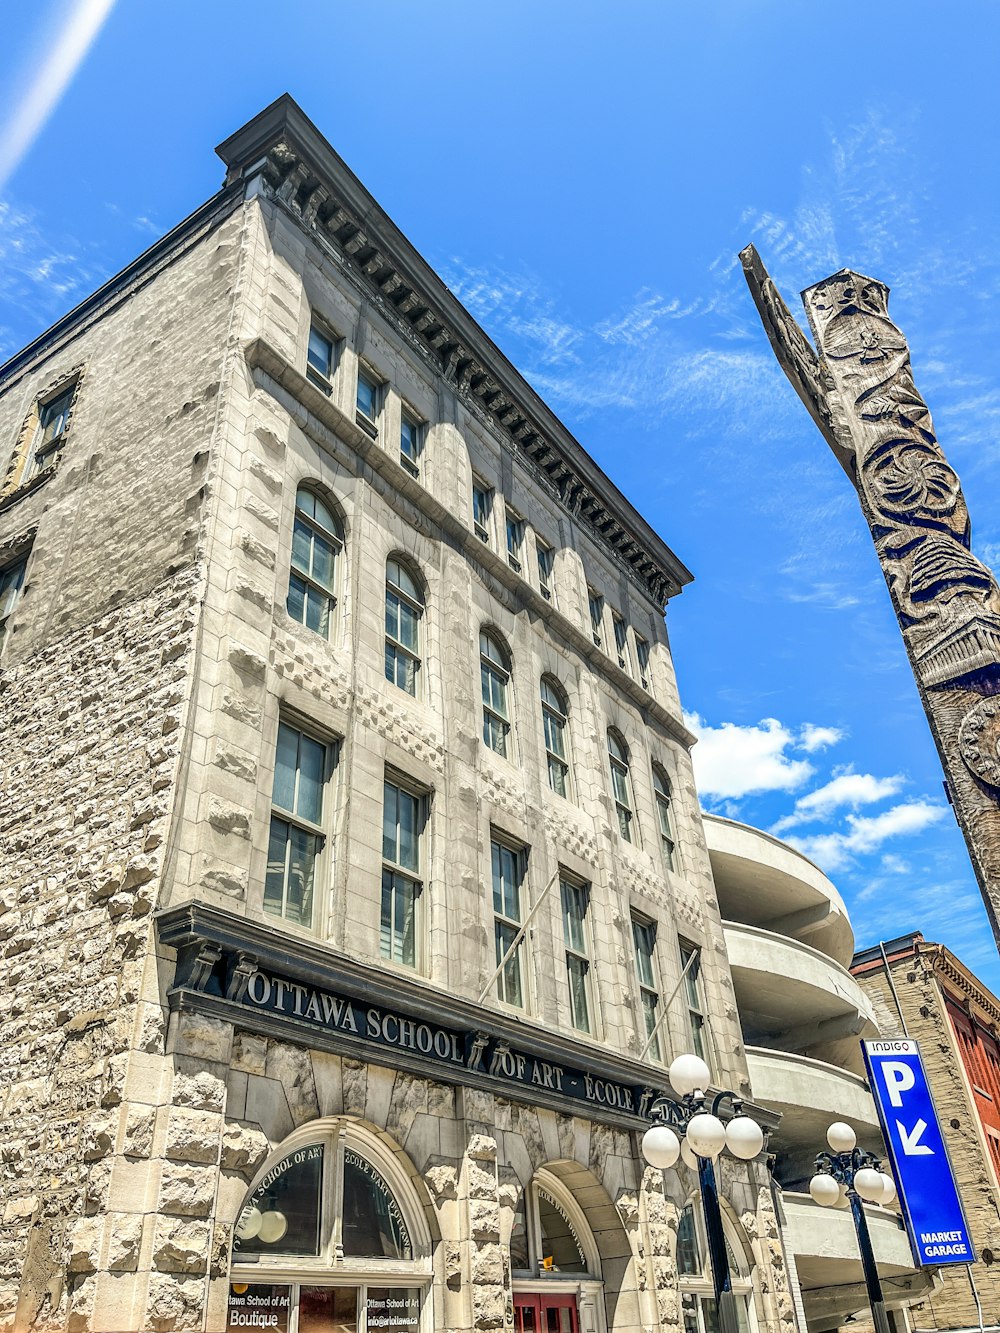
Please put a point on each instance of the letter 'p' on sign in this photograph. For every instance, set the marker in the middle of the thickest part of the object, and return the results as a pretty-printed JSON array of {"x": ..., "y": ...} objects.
[{"x": 928, "y": 1195}]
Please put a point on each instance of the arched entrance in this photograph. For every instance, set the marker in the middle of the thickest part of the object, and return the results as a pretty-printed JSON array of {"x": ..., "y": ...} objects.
[
  {"x": 695, "y": 1276},
  {"x": 555, "y": 1263},
  {"x": 331, "y": 1239}
]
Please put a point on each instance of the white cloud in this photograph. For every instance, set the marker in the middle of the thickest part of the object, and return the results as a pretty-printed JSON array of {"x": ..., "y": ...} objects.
[
  {"x": 852, "y": 789},
  {"x": 64, "y": 56},
  {"x": 813, "y": 738},
  {"x": 866, "y": 833},
  {"x": 731, "y": 761}
]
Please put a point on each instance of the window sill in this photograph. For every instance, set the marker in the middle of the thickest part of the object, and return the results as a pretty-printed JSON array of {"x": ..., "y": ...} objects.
[
  {"x": 27, "y": 488},
  {"x": 366, "y": 424}
]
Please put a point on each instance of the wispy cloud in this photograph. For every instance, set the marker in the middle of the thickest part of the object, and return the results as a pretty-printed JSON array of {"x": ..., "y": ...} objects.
[
  {"x": 866, "y": 833},
  {"x": 64, "y": 56},
  {"x": 846, "y": 789},
  {"x": 813, "y": 738}
]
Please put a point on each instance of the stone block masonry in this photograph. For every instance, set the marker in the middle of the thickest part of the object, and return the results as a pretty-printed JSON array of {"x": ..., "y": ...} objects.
[{"x": 90, "y": 739}]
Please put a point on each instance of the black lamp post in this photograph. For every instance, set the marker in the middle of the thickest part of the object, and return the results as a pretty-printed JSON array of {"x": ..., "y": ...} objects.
[
  {"x": 705, "y": 1136},
  {"x": 849, "y": 1173}
]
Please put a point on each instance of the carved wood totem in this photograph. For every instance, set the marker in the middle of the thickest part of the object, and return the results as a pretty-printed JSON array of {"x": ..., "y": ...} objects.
[{"x": 859, "y": 390}]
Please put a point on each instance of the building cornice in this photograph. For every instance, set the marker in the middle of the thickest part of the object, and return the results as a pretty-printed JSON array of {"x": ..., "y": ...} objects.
[{"x": 298, "y": 168}]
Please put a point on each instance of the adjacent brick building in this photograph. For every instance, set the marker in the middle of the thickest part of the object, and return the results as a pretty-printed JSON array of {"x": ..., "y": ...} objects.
[{"x": 921, "y": 990}]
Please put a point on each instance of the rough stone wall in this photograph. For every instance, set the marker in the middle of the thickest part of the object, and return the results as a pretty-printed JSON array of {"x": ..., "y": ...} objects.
[
  {"x": 90, "y": 741},
  {"x": 922, "y": 1004}
]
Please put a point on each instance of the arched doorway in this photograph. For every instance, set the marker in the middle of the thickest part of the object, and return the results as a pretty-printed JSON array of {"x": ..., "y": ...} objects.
[
  {"x": 331, "y": 1239},
  {"x": 555, "y": 1263},
  {"x": 695, "y": 1276}
]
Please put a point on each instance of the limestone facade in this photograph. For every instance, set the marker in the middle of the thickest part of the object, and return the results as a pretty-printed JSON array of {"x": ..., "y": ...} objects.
[
  {"x": 215, "y": 979},
  {"x": 921, "y": 990}
]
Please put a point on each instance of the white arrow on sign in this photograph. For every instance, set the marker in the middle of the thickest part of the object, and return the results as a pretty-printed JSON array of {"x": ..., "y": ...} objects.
[{"x": 910, "y": 1139}]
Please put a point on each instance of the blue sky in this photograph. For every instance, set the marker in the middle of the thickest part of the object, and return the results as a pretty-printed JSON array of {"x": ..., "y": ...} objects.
[{"x": 583, "y": 176}]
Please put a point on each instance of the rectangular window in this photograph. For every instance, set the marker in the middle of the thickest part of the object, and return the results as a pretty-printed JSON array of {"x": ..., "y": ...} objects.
[
  {"x": 319, "y": 360},
  {"x": 693, "y": 997},
  {"x": 642, "y": 657},
  {"x": 546, "y": 558},
  {"x": 410, "y": 443},
  {"x": 53, "y": 421},
  {"x": 11, "y": 581},
  {"x": 402, "y": 885},
  {"x": 508, "y": 876},
  {"x": 369, "y": 393},
  {"x": 575, "y": 902},
  {"x": 644, "y": 939},
  {"x": 482, "y": 508},
  {"x": 297, "y": 837},
  {"x": 515, "y": 539},
  {"x": 621, "y": 642},
  {"x": 596, "y": 615}
]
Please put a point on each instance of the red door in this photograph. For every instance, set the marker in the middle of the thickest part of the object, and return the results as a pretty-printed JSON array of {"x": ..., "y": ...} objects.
[{"x": 537, "y": 1312}]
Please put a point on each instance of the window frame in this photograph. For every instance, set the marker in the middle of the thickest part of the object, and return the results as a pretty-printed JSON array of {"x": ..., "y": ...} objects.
[
  {"x": 619, "y": 626},
  {"x": 562, "y": 1199},
  {"x": 398, "y": 648},
  {"x": 407, "y": 417},
  {"x": 698, "y": 1287},
  {"x": 545, "y": 555},
  {"x": 415, "y": 877},
  {"x": 663, "y": 799},
  {"x": 642, "y": 659},
  {"x": 11, "y": 589},
  {"x": 501, "y": 669},
  {"x": 322, "y": 379},
  {"x": 620, "y": 766},
  {"x": 595, "y": 601},
  {"x": 368, "y": 375},
  {"x": 650, "y": 991},
  {"x": 693, "y": 990},
  {"x": 503, "y": 922},
  {"x": 333, "y": 537},
  {"x": 558, "y": 713},
  {"x": 41, "y": 453},
  {"x": 573, "y": 889},
  {"x": 482, "y": 523},
  {"x": 514, "y": 528},
  {"x": 296, "y": 820}
]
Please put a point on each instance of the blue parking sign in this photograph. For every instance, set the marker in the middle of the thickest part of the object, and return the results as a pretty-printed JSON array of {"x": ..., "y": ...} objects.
[{"x": 928, "y": 1195}]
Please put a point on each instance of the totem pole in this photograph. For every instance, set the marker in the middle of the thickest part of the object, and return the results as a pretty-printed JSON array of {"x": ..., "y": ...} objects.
[{"x": 858, "y": 388}]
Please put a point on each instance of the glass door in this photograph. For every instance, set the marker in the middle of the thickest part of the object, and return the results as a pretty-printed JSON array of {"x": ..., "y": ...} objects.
[{"x": 539, "y": 1312}]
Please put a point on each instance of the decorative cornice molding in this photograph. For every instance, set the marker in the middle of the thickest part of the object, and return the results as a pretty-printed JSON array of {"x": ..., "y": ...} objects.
[{"x": 283, "y": 154}]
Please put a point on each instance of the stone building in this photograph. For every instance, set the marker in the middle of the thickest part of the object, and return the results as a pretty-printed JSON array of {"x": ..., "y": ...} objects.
[
  {"x": 789, "y": 941},
  {"x": 352, "y": 852},
  {"x": 922, "y": 991}
]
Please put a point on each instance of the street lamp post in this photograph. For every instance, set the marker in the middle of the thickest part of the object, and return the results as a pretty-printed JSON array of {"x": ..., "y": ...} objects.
[
  {"x": 705, "y": 1136},
  {"x": 848, "y": 1175}
]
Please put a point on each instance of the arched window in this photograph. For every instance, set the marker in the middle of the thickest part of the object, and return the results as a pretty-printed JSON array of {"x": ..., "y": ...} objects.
[
  {"x": 494, "y": 670},
  {"x": 329, "y": 1229},
  {"x": 621, "y": 784},
  {"x": 664, "y": 813},
  {"x": 554, "y": 712},
  {"x": 404, "y": 607},
  {"x": 550, "y": 1233},
  {"x": 695, "y": 1275},
  {"x": 317, "y": 541}
]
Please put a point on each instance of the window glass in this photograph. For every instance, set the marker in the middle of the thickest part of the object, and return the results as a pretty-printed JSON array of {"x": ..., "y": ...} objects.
[
  {"x": 621, "y": 785},
  {"x": 560, "y": 1249},
  {"x": 373, "y": 1225},
  {"x": 644, "y": 939},
  {"x": 316, "y": 543},
  {"x": 664, "y": 813},
  {"x": 596, "y": 602},
  {"x": 508, "y": 870},
  {"x": 403, "y": 610},
  {"x": 410, "y": 443},
  {"x": 621, "y": 642},
  {"x": 319, "y": 360},
  {"x": 546, "y": 558},
  {"x": 554, "y": 727},
  {"x": 295, "y": 840},
  {"x": 11, "y": 582},
  {"x": 482, "y": 508},
  {"x": 575, "y": 901},
  {"x": 367, "y": 395},
  {"x": 258, "y": 1305},
  {"x": 53, "y": 418},
  {"x": 520, "y": 1258},
  {"x": 690, "y": 953},
  {"x": 515, "y": 537},
  {"x": 282, "y": 1215},
  {"x": 402, "y": 825},
  {"x": 690, "y": 1261},
  {"x": 642, "y": 656},
  {"x": 494, "y": 673},
  {"x": 328, "y": 1310}
]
